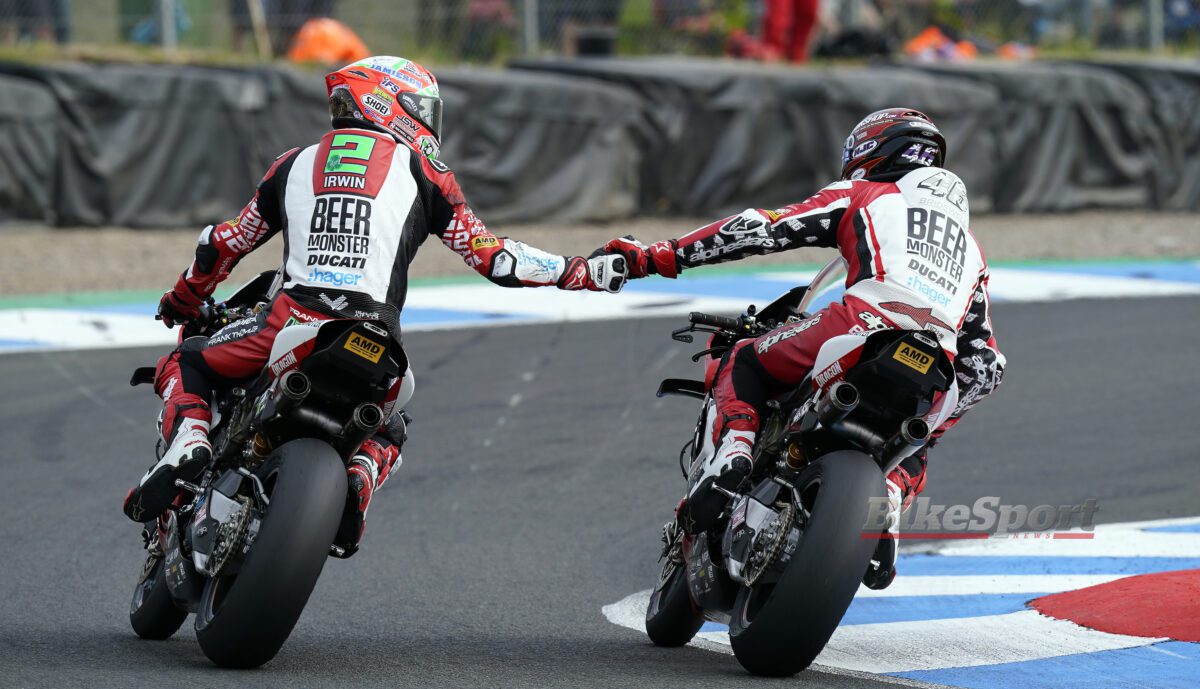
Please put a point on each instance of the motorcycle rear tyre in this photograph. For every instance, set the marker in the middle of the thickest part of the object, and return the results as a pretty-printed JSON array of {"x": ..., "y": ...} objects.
[
  {"x": 244, "y": 619},
  {"x": 804, "y": 608}
]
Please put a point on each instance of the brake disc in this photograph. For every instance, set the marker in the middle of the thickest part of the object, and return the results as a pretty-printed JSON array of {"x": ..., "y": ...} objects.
[
  {"x": 230, "y": 535},
  {"x": 769, "y": 545}
]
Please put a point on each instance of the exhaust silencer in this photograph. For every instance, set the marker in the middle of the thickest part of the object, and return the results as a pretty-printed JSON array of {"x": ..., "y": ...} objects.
[
  {"x": 913, "y": 434},
  {"x": 838, "y": 402},
  {"x": 368, "y": 417},
  {"x": 295, "y": 385},
  {"x": 915, "y": 431}
]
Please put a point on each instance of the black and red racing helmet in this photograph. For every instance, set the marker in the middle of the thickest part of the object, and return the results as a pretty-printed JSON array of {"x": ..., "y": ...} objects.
[{"x": 888, "y": 143}]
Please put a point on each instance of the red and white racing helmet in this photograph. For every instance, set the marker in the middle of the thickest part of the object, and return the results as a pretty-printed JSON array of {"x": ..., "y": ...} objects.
[{"x": 391, "y": 95}]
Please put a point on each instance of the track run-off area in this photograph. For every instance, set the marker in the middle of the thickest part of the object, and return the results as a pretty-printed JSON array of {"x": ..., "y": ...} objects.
[{"x": 512, "y": 547}]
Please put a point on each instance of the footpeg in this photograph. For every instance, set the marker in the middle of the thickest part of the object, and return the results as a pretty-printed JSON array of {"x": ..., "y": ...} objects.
[{"x": 881, "y": 571}]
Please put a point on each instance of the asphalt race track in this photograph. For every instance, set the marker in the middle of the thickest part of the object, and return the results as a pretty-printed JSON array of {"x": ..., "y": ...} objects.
[{"x": 539, "y": 470}]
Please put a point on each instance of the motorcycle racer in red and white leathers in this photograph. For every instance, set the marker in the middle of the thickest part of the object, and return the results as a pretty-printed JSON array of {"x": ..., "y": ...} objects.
[
  {"x": 353, "y": 210},
  {"x": 901, "y": 222}
]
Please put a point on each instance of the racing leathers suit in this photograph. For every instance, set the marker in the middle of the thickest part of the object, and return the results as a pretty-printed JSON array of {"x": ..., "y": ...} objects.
[
  {"x": 353, "y": 209},
  {"x": 912, "y": 264}
]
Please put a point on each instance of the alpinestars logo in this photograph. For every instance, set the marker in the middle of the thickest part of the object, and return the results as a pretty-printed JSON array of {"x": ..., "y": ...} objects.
[
  {"x": 922, "y": 315},
  {"x": 781, "y": 334},
  {"x": 575, "y": 276}
]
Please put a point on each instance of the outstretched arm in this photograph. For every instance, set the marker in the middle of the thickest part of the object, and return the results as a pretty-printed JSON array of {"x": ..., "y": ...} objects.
[
  {"x": 221, "y": 246},
  {"x": 754, "y": 231},
  {"x": 508, "y": 262}
]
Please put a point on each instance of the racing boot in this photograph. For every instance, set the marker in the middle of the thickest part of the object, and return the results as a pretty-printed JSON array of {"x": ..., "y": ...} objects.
[
  {"x": 902, "y": 487},
  {"x": 723, "y": 472},
  {"x": 183, "y": 428},
  {"x": 368, "y": 470}
]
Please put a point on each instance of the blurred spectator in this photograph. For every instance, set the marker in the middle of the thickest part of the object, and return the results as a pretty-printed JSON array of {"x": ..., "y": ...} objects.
[
  {"x": 287, "y": 16},
  {"x": 327, "y": 41},
  {"x": 935, "y": 44},
  {"x": 1182, "y": 20},
  {"x": 489, "y": 27},
  {"x": 788, "y": 26},
  {"x": 570, "y": 19},
  {"x": 62, "y": 20},
  {"x": 1062, "y": 19},
  {"x": 856, "y": 29},
  {"x": 141, "y": 20},
  {"x": 240, "y": 22},
  {"x": 27, "y": 20}
]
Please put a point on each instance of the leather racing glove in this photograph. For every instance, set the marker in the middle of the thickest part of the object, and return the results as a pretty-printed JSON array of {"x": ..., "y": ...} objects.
[
  {"x": 179, "y": 305},
  {"x": 605, "y": 273},
  {"x": 656, "y": 259}
]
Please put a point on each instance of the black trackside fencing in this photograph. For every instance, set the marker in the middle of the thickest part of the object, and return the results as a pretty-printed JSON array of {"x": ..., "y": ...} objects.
[{"x": 602, "y": 139}]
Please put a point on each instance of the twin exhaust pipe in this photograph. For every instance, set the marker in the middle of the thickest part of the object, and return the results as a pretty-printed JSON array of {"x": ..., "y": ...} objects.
[
  {"x": 842, "y": 398},
  {"x": 295, "y": 387}
]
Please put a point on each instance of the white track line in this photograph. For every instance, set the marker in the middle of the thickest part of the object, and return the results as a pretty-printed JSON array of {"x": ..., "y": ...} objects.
[
  {"x": 94, "y": 328},
  {"x": 965, "y": 642},
  {"x": 630, "y": 613},
  {"x": 929, "y": 644}
]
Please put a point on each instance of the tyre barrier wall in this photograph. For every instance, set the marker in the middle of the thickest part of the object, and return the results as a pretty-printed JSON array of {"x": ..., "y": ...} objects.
[{"x": 601, "y": 139}]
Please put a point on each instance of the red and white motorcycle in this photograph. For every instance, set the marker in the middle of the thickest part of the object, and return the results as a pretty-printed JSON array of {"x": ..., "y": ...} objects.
[
  {"x": 792, "y": 545},
  {"x": 243, "y": 547}
]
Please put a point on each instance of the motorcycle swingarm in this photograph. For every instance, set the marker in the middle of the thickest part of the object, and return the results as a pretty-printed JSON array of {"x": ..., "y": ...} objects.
[
  {"x": 184, "y": 583},
  {"x": 711, "y": 588}
]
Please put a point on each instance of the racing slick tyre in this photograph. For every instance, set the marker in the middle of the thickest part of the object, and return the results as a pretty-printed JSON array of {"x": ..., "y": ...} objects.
[
  {"x": 671, "y": 619},
  {"x": 245, "y": 618},
  {"x": 152, "y": 613},
  {"x": 776, "y": 630}
]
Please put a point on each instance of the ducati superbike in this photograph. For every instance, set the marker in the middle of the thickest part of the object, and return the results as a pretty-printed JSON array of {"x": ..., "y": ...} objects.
[
  {"x": 243, "y": 546},
  {"x": 786, "y": 556}
]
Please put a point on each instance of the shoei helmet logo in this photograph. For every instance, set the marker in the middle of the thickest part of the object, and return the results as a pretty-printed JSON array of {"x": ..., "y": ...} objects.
[
  {"x": 366, "y": 348},
  {"x": 913, "y": 358}
]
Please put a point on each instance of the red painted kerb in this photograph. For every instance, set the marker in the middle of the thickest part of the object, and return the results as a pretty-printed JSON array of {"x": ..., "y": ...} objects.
[{"x": 1166, "y": 604}]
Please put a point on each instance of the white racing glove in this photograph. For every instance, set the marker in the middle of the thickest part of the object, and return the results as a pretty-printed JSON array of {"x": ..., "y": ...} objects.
[{"x": 598, "y": 274}]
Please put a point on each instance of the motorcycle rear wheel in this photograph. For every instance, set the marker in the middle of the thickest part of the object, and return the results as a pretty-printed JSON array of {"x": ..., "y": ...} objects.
[
  {"x": 776, "y": 630},
  {"x": 152, "y": 612},
  {"x": 671, "y": 618},
  {"x": 244, "y": 619}
]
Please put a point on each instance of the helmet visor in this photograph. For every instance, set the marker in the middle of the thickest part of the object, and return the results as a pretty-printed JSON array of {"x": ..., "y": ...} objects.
[{"x": 426, "y": 109}]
